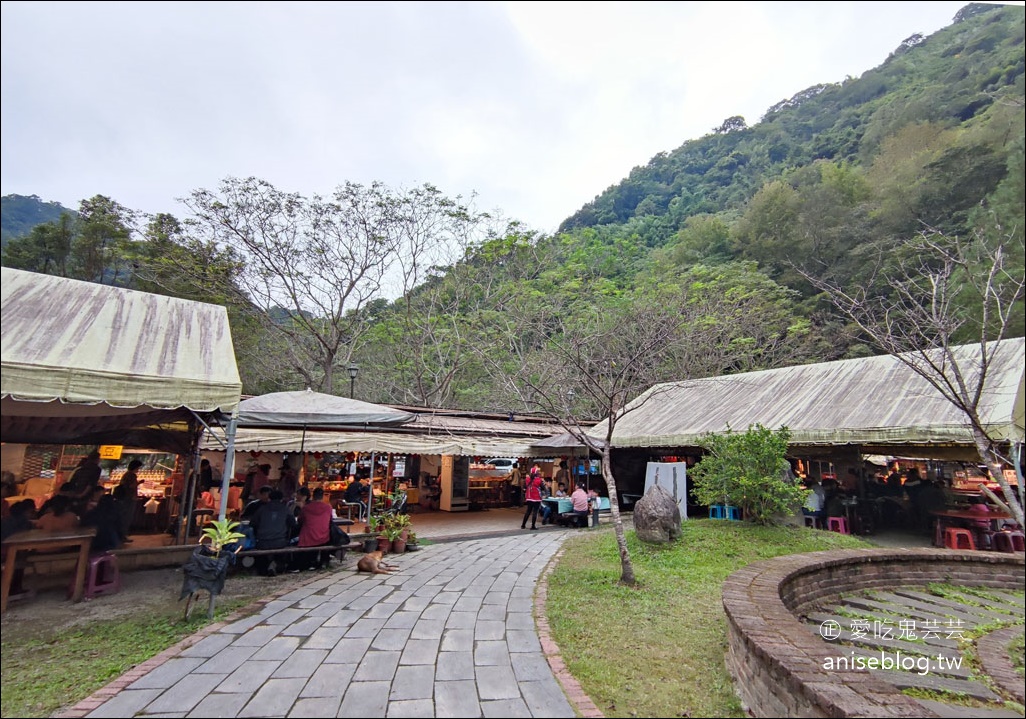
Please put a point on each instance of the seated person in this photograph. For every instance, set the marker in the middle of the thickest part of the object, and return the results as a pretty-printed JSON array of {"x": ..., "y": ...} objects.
[
  {"x": 106, "y": 517},
  {"x": 273, "y": 526},
  {"x": 980, "y": 527},
  {"x": 18, "y": 520},
  {"x": 815, "y": 505},
  {"x": 314, "y": 521},
  {"x": 358, "y": 493},
  {"x": 263, "y": 496},
  {"x": 57, "y": 515},
  {"x": 579, "y": 514}
]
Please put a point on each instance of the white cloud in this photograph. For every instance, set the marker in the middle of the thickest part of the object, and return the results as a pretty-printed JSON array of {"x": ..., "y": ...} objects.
[{"x": 535, "y": 107}]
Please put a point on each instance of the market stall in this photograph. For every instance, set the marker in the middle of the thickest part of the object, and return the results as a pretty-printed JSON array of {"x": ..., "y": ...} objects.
[{"x": 86, "y": 365}]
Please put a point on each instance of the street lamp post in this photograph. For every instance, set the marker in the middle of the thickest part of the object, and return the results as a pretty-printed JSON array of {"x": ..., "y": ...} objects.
[{"x": 353, "y": 370}]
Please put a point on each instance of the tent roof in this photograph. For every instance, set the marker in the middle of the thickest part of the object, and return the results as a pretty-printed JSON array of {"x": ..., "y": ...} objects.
[
  {"x": 79, "y": 358},
  {"x": 258, "y": 439},
  {"x": 430, "y": 432},
  {"x": 307, "y": 408},
  {"x": 874, "y": 401}
]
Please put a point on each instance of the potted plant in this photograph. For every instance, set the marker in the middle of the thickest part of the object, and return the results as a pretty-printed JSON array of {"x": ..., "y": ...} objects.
[
  {"x": 396, "y": 529},
  {"x": 412, "y": 544}
]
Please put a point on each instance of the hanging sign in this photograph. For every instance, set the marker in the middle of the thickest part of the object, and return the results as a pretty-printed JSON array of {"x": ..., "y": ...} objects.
[{"x": 111, "y": 451}]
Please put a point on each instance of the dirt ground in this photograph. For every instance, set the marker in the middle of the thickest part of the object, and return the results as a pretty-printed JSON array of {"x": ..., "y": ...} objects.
[{"x": 148, "y": 592}]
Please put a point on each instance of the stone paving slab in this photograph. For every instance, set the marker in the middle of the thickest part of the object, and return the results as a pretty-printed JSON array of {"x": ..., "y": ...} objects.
[
  {"x": 952, "y": 604},
  {"x": 978, "y": 615},
  {"x": 452, "y": 634},
  {"x": 926, "y": 665}
]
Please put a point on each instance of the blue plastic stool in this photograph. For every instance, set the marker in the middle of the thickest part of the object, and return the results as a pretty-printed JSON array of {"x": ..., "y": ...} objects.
[
  {"x": 717, "y": 511},
  {"x": 734, "y": 513}
]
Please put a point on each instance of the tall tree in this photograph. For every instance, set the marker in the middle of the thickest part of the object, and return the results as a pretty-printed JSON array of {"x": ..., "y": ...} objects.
[
  {"x": 103, "y": 250},
  {"x": 45, "y": 249},
  {"x": 312, "y": 267},
  {"x": 596, "y": 353}
]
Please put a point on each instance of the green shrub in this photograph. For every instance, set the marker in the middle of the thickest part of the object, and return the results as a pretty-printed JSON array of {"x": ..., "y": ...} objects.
[{"x": 749, "y": 470}]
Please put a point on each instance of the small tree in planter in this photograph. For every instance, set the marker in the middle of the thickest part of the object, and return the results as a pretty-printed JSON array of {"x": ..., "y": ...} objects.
[{"x": 208, "y": 565}]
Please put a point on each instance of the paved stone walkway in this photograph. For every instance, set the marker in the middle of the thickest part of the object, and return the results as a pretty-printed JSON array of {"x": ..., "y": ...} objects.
[
  {"x": 919, "y": 640},
  {"x": 452, "y": 634}
]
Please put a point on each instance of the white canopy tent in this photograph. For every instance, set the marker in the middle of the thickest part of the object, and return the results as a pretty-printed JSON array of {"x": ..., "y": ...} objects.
[
  {"x": 82, "y": 362},
  {"x": 316, "y": 409}
]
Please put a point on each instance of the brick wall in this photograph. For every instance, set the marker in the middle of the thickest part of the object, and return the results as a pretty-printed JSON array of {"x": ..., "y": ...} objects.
[{"x": 777, "y": 663}]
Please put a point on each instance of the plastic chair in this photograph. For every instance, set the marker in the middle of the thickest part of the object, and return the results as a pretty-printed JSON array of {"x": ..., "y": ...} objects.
[
  {"x": 814, "y": 522},
  {"x": 1006, "y": 541},
  {"x": 837, "y": 524},
  {"x": 102, "y": 576},
  {"x": 959, "y": 538}
]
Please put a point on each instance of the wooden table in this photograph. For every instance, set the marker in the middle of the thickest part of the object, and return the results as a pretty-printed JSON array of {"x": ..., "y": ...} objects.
[
  {"x": 947, "y": 517},
  {"x": 39, "y": 540}
]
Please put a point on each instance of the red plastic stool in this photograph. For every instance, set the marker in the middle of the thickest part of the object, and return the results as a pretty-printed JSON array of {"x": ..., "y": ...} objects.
[
  {"x": 102, "y": 576},
  {"x": 958, "y": 538},
  {"x": 837, "y": 524},
  {"x": 1006, "y": 541}
]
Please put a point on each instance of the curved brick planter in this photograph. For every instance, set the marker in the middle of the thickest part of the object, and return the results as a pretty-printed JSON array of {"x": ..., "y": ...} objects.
[{"x": 777, "y": 663}]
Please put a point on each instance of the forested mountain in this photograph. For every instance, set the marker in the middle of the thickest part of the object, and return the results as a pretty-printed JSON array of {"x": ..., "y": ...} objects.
[
  {"x": 19, "y": 214},
  {"x": 727, "y": 239}
]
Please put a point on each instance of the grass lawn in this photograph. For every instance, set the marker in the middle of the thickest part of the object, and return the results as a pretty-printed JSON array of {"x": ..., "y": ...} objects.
[
  {"x": 655, "y": 650},
  {"x": 51, "y": 660},
  {"x": 658, "y": 649}
]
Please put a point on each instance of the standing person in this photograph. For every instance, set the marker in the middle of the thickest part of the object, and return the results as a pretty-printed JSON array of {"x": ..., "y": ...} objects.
[
  {"x": 84, "y": 480},
  {"x": 561, "y": 477},
  {"x": 515, "y": 480},
  {"x": 532, "y": 496},
  {"x": 272, "y": 527},
  {"x": 314, "y": 531},
  {"x": 210, "y": 476},
  {"x": 579, "y": 498},
  {"x": 128, "y": 496}
]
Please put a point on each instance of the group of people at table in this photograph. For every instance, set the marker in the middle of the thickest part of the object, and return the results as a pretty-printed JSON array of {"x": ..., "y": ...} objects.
[
  {"x": 534, "y": 493},
  {"x": 308, "y": 521},
  {"x": 81, "y": 502},
  {"x": 907, "y": 501}
]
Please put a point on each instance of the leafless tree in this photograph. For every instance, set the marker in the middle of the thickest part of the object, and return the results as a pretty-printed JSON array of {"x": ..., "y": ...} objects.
[
  {"x": 946, "y": 291},
  {"x": 594, "y": 355},
  {"x": 318, "y": 269}
]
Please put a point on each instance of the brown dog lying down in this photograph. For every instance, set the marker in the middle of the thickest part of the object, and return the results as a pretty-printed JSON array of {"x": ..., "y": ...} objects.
[{"x": 372, "y": 562}]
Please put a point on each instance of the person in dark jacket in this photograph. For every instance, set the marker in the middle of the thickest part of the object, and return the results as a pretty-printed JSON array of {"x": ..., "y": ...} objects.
[
  {"x": 273, "y": 526},
  {"x": 106, "y": 517}
]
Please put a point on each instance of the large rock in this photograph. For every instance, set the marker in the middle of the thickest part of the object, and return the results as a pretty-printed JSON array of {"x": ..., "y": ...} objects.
[{"x": 657, "y": 517}]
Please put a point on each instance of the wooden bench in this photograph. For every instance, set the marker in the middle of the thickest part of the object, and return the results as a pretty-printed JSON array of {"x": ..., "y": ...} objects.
[{"x": 338, "y": 551}]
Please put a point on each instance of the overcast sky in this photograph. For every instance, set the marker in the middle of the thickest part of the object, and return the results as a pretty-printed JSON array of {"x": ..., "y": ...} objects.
[{"x": 533, "y": 108}]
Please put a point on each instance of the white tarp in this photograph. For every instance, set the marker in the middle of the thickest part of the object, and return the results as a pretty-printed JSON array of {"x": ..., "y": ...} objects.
[
  {"x": 81, "y": 361},
  {"x": 875, "y": 401},
  {"x": 316, "y": 409},
  {"x": 83, "y": 343},
  {"x": 253, "y": 439}
]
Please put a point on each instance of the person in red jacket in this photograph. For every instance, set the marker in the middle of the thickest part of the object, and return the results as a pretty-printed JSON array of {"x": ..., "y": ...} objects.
[
  {"x": 314, "y": 531},
  {"x": 532, "y": 497}
]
